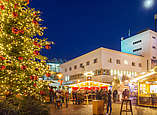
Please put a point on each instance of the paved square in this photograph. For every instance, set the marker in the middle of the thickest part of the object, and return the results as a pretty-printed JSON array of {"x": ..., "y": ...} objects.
[{"x": 88, "y": 110}]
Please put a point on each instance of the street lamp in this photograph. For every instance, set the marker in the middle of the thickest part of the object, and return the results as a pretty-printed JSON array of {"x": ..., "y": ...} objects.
[{"x": 60, "y": 75}]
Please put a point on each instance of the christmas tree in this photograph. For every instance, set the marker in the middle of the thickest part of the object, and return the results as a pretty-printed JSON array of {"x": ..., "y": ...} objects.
[{"x": 21, "y": 64}]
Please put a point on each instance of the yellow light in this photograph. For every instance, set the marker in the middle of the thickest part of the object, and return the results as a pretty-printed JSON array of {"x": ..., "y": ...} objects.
[
  {"x": 88, "y": 73},
  {"x": 60, "y": 75}
]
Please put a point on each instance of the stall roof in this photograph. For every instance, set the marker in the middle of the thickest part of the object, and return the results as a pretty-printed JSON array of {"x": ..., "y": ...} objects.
[
  {"x": 146, "y": 76},
  {"x": 89, "y": 83}
]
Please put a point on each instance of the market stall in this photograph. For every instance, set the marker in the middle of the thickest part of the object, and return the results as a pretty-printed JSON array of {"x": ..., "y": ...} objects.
[
  {"x": 147, "y": 89},
  {"x": 88, "y": 89}
]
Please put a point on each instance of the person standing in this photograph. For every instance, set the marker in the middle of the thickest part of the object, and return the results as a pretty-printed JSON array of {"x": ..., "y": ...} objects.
[
  {"x": 67, "y": 98},
  {"x": 51, "y": 93},
  {"x": 109, "y": 103},
  {"x": 115, "y": 93}
]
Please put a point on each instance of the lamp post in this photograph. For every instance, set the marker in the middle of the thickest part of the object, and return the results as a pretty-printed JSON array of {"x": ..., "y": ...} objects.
[{"x": 60, "y": 75}]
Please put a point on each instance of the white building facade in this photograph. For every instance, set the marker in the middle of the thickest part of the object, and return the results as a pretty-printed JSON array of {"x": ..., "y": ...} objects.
[{"x": 105, "y": 64}]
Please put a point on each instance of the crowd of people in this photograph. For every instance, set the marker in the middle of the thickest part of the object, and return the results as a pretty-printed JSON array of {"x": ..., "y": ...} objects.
[
  {"x": 78, "y": 97},
  {"x": 59, "y": 97}
]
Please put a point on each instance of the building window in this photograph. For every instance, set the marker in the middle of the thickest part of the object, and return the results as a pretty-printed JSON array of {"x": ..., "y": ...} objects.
[
  {"x": 70, "y": 68},
  {"x": 75, "y": 67},
  {"x": 153, "y": 37},
  {"x": 65, "y": 69},
  {"x": 117, "y": 61},
  {"x": 81, "y": 65},
  {"x": 137, "y": 49},
  {"x": 133, "y": 63},
  {"x": 137, "y": 42},
  {"x": 110, "y": 60},
  {"x": 125, "y": 62},
  {"x": 154, "y": 57},
  {"x": 140, "y": 65},
  {"x": 87, "y": 63},
  {"x": 95, "y": 60},
  {"x": 154, "y": 47}
]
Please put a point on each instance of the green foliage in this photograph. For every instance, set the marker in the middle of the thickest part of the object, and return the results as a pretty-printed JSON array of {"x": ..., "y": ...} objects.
[{"x": 23, "y": 106}]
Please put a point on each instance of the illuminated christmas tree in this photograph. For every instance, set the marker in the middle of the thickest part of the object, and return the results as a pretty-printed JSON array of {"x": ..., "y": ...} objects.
[{"x": 21, "y": 64}]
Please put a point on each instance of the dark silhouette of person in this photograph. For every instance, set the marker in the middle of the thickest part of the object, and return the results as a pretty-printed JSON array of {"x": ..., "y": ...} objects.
[
  {"x": 115, "y": 93},
  {"x": 109, "y": 103}
]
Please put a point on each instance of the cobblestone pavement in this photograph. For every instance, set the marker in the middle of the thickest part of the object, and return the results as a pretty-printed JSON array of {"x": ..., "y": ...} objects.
[{"x": 88, "y": 110}]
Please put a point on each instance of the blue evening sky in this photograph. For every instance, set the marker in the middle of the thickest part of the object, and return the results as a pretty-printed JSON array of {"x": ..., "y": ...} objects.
[{"x": 80, "y": 26}]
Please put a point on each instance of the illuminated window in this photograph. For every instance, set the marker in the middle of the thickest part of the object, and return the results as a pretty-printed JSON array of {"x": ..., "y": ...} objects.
[{"x": 126, "y": 62}]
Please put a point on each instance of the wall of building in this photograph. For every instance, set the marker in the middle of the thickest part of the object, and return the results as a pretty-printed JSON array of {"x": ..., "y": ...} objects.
[
  {"x": 84, "y": 59},
  {"x": 133, "y": 44},
  {"x": 153, "y": 36},
  {"x": 106, "y": 66}
]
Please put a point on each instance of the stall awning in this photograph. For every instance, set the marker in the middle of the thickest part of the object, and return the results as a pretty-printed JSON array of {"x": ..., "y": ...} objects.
[
  {"x": 145, "y": 76},
  {"x": 89, "y": 84}
]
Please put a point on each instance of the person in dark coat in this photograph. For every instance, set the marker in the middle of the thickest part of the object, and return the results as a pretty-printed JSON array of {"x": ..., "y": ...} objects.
[
  {"x": 52, "y": 94},
  {"x": 115, "y": 93},
  {"x": 109, "y": 103}
]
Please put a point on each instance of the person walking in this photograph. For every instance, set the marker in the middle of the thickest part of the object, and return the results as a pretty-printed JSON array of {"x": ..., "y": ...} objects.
[{"x": 109, "y": 103}]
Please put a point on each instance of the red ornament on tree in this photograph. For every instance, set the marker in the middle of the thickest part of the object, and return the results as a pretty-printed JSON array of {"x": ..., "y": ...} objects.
[
  {"x": 36, "y": 52},
  {"x": 21, "y": 31},
  {"x": 36, "y": 78},
  {"x": 23, "y": 67},
  {"x": 34, "y": 84},
  {"x": 48, "y": 74},
  {"x": 15, "y": 14},
  {"x": 47, "y": 46},
  {"x": 20, "y": 58},
  {"x": 42, "y": 93},
  {"x": 15, "y": 6},
  {"x": 31, "y": 77},
  {"x": 35, "y": 43},
  {"x": 2, "y": 58},
  {"x": 15, "y": 30},
  {"x": 39, "y": 45},
  {"x": 35, "y": 22},
  {"x": 35, "y": 14},
  {"x": 2, "y": 67},
  {"x": 2, "y": 7}
]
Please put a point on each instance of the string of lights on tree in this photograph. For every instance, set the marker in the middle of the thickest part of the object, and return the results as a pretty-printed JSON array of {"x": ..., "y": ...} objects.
[{"x": 21, "y": 64}]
